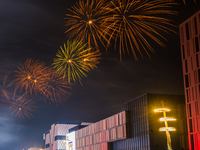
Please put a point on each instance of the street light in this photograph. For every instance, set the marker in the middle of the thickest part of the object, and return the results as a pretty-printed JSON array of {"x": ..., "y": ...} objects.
[{"x": 166, "y": 128}]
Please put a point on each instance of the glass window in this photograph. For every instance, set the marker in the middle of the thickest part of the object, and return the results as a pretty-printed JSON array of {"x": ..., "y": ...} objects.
[
  {"x": 187, "y": 31},
  {"x": 196, "y": 44},
  {"x": 191, "y": 125},
  {"x": 60, "y": 137},
  {"x": 187, "y": 80},
  {"x": 189, "y": 110},
  {"x": 195, "y": 25},
  {"x": 183, "y": 51},
  {"x": 186, "y": 68},
  {"x": 197, "y": 60}
]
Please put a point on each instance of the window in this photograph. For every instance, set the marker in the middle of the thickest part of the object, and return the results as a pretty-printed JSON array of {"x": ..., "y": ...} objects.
[
  {"x": 192, "y": 142},
  {"x": 191, "y": 125},
  {"x": 183, "y": 51},
  {"x": 195, "y": 25},
  {"x": 187, "y": 31},
  {"x": 60, "y": 137},
  {"x": 196, "y": 44},
  {"x": 186, "y": 68},
  {"x": 187, "y": 81},
  {"x": 47, "y": 145},
  {"x": 197, "y": 60},
  {"x": 187, "y": 94},
  {"x": 189, "y": 110}
]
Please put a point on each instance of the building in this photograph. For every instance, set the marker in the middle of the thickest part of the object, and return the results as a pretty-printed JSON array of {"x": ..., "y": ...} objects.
[
  {"x": 34, "y": 148},
  {"x": 54, "y": 138},
  {"x": 190, "y": 51},
  {"x": 135, "y": 128}
]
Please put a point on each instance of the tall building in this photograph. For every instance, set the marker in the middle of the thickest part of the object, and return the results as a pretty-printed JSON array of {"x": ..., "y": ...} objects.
[{"x": 190, "y": 51}]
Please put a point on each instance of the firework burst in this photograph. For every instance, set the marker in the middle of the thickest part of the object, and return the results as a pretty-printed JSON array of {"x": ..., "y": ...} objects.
[
  {"x": 132, "y": 22},
  {"x": 23, "y": 108},
  {"x": 30, "y": 76},
  {"x": 75, "y": 60},
  {"x": 86, "y": 22},
  {"x": 56, "y": 89}
]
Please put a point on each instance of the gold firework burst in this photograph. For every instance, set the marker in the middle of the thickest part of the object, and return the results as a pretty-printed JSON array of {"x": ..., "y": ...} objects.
[
  {"x": 22, "y": 107},
  {"x": 56, "y": 89},
  {"x": 132, "y": 22},
  {"x": 75, "y": 60},
  {"x": 30, "y": 76},
  {"x": 85, "y": 22}
]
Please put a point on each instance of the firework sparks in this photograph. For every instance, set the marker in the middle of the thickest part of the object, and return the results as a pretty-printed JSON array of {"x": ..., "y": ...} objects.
[
  {"x": 30, "y": 76},
  {"x": 23, "y": 108},
  {"x": 86, "y": 22},
  {"x": 75, "y": 60},
  {"x": 5, "y": 84},
  {"x": 56, "y": 89},
  {"x": 132, "y": 21}
]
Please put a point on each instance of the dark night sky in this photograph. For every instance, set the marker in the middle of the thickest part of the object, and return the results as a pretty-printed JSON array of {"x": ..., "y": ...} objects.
[{"x": 35, "y": 29}]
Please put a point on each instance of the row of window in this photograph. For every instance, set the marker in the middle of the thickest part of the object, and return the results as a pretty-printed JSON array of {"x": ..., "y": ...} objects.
[
  {"x": 104, "y": 136},
  {"x": 108, "y": 123},
  {"x": 191, "y": 28},
  {"x": 190, "y": 46}
]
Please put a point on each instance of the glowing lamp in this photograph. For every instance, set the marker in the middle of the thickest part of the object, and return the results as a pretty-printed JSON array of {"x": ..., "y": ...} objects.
[
  {"x": 85, "y": 59},
  {"x": 29, "y": 77},
  {"x": 162, "y": 110},
  {"x": 167, "y": 119},
  {"x": 167, "y": 128},
  {"x": 35, "y": 81},
  {"x": 69, "y": 61}
]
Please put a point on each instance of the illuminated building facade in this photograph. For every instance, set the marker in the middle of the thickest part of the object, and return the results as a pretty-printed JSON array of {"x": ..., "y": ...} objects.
[
  {"x": 135, "y": 128},
  {"x": 190, "y": 51}
]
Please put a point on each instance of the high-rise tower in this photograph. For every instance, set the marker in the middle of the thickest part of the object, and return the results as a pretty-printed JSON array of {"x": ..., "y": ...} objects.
[{"x": 190, "y": 51}]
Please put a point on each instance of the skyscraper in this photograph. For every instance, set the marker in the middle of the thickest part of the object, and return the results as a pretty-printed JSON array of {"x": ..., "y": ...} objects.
[{"x": 190, "y": 51}]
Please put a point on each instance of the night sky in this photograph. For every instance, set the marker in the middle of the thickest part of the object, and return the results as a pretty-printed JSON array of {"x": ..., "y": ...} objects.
[{"x": 35, "y": 29}]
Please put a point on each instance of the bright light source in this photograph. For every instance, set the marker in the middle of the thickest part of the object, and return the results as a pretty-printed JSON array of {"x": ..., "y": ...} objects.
[
  {"x": 167, "y": 128},
  {"x": 162, "y": 110},
  {"x": 29, "y": 77},
  {"x": 69, "y": 61},
  {"x": 90, "y": 21},
  {"x": 167, "y": 119}
]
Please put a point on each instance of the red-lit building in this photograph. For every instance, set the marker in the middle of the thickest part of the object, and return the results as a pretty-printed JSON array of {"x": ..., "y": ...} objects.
[{"x": 190, "y": 51}]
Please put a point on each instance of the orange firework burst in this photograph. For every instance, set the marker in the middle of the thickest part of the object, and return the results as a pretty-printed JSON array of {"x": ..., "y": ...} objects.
[
  {"x": 23, "y": 108},
  {"x": 131, "y": 22},
  {"x": 30, "y": 76},
  {"x": 55, "y": 89},
  {"x": 5, "y": 84},
  {"x": 75, "y": 60},
  {"x": 86, "y": 22}
]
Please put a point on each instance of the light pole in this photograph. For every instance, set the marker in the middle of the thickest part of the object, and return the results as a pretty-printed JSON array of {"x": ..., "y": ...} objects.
[{"x": 166, "y": 128}]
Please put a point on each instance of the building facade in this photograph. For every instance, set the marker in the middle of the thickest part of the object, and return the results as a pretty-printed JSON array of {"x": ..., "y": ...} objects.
[
  {"x": 190, "y": 51},
  {"x": 54, "y": 138},
  {"x": 135, "y": 128}
]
